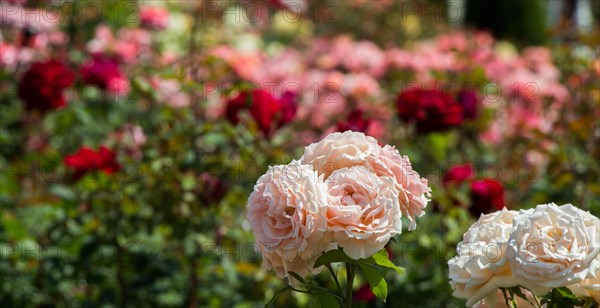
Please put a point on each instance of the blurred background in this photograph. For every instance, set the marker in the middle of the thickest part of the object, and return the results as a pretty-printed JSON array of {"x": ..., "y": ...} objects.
[{"x": 132, "y": 133}]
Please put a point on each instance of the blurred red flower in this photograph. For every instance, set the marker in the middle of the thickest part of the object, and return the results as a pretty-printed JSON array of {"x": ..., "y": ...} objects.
[
  {"x": 458, "y": 174},
  {"x": 102, "y": 72},
  {"x": 487, "y": 196},
  {"x": 355, "y": 122},
  {"x": 363, "y": 294},
  {"x": 430, "y": 110},
  {"x": 212, "y": 189},
  {"x": 470, "y": 103},
  {"x": 42, "y": 86},
  {"x": 87, "y": 159},
  {"x": 269, "y": 112}
]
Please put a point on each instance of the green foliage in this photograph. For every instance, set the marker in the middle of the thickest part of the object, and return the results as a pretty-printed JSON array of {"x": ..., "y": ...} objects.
[{"x": 522, "y": 21}]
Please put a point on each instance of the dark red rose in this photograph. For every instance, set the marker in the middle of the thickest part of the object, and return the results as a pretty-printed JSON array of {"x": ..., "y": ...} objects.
[
  {"x": 470, "y": 103},
  {"x": 269, "y": 112},
  {"x": 355, "y": 122},
  {"x": 42, "y": 86},
  {"x": 87, "y": 159},
  {"x": 212, "y": 188},
  {"x": 101, "y": 71},
  {"x": 363, "y": 294},
  {"x": 458, "y": 174},
  {"x": 487, "y": 196},
  {"x": 430, "y": 110},
  {"x": 293, "y": 6}
]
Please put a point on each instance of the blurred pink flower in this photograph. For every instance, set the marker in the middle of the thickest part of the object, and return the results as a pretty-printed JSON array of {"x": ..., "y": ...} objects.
[
  {"x": 154, "y": 17},
  {"x": 169, "y": 92},
  {"x": 129, "y": 45}
]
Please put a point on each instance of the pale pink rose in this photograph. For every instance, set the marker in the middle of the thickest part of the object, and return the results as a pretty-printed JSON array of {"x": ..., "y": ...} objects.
[
  {"x": 366, "y": 57},
  {"x": 288, "y": 213},
  {"x": 169, "y": 92},
  {"x": 344, "y": 150},
  {"x": 360, "y": 85},
  {"x": 365, "y": 213},
  {"x": 481, "y": 267},
  {"x": 554, "y": 246},
  {"x": 129, "y": 44}
]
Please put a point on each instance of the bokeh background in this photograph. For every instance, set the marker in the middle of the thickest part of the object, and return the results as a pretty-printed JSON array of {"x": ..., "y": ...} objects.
[{"x": 132, "y": 133}]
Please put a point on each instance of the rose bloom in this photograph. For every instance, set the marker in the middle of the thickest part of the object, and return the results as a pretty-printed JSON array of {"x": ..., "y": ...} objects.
[
  {"x": 296, "y": 6},
  {"x": 470, "y": 103},
  {"x": 212, "y": 189},
  {"x": 287, "y": 212},
  {"x": 355, "y": 122},
  {"x": 269, "y": 112},
  {"x": 344, "y": 150},
  {"x": 104, "y": 73},
  {"x": 589, "y": 287},
  {"x": 481, "y": 267},
  {"x": 458, "y": 174},
  {"x": 554, "y": 246},
  {"x": 153, "y": 17},
  {"x": 87, "y": 159},
  {"x": 365, "y": 212},
  {"x": 364, "y": 294},
  {"x": 430, "y": 110},
  {"x": 487, "y": 195},
  {"x": 42, "y": 86}
]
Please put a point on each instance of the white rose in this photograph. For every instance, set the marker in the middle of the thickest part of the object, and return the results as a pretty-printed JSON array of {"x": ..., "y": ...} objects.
[
  {"x": 553, "y": 246},
  {"x": 365, "y": 212},
  {"x": 343, "y": 150},
  {"x": 480, "y": 267},
  {"x": 589, "y": 287},
  {"x": 287, "y": 212}
]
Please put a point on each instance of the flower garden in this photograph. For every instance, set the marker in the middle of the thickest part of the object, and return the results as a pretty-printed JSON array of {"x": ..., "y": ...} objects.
[{"x": 299, "y": 153}]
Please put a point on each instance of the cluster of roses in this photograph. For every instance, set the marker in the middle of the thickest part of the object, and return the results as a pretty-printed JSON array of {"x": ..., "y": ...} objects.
[
  {"x": 345, "y": 191},
  {"x": 539, "y": 249},
  {"x": 42, "y": 86},
  {"x": 486, "y": 194}
]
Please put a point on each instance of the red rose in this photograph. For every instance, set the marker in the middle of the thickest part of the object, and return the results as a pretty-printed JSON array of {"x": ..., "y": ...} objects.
[
  {"x": 458, "y": 174},
  {"x": 355, "y": 122},
  {"x": 212, "y": 189},
  {"x": 430, "y": 110},
  {"x": 487, "y": 196},
  {"x": 268, "y": 112},
  {"x": 363, "y": 294},
  {"x": 470, "y": 102},
  {"x": 102, "y": 72},
  {"x": 42, "y": 86},
  {"x": 87, "y": 159}
]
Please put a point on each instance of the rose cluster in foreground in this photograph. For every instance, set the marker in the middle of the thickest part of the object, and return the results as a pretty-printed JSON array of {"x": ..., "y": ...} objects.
[
  {"x": 345, "y": 191},
  {"x": 539, "y": 249}
]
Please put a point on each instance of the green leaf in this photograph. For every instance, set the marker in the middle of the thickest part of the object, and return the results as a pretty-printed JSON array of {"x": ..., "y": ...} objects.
[
  {"x": 327, "y": 300},
  {"x": 331, "y": 256},
  {"x": 590, "y": 303},
  {"x": 297, "y": 277},
  {"x": 517, "y": 291},
  {"x": 381, "y": 259},
  {"x": 564, "y": 292},
  {"x": 276, "y": 296},
  {"x": 376, "y": 281}
]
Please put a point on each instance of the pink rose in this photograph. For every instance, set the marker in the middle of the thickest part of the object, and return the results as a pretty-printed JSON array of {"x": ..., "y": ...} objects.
[
  {"x": 365, "y": 211},
  {"x": 287, "y": 212},
  {"x": 348, "y": 149}
]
